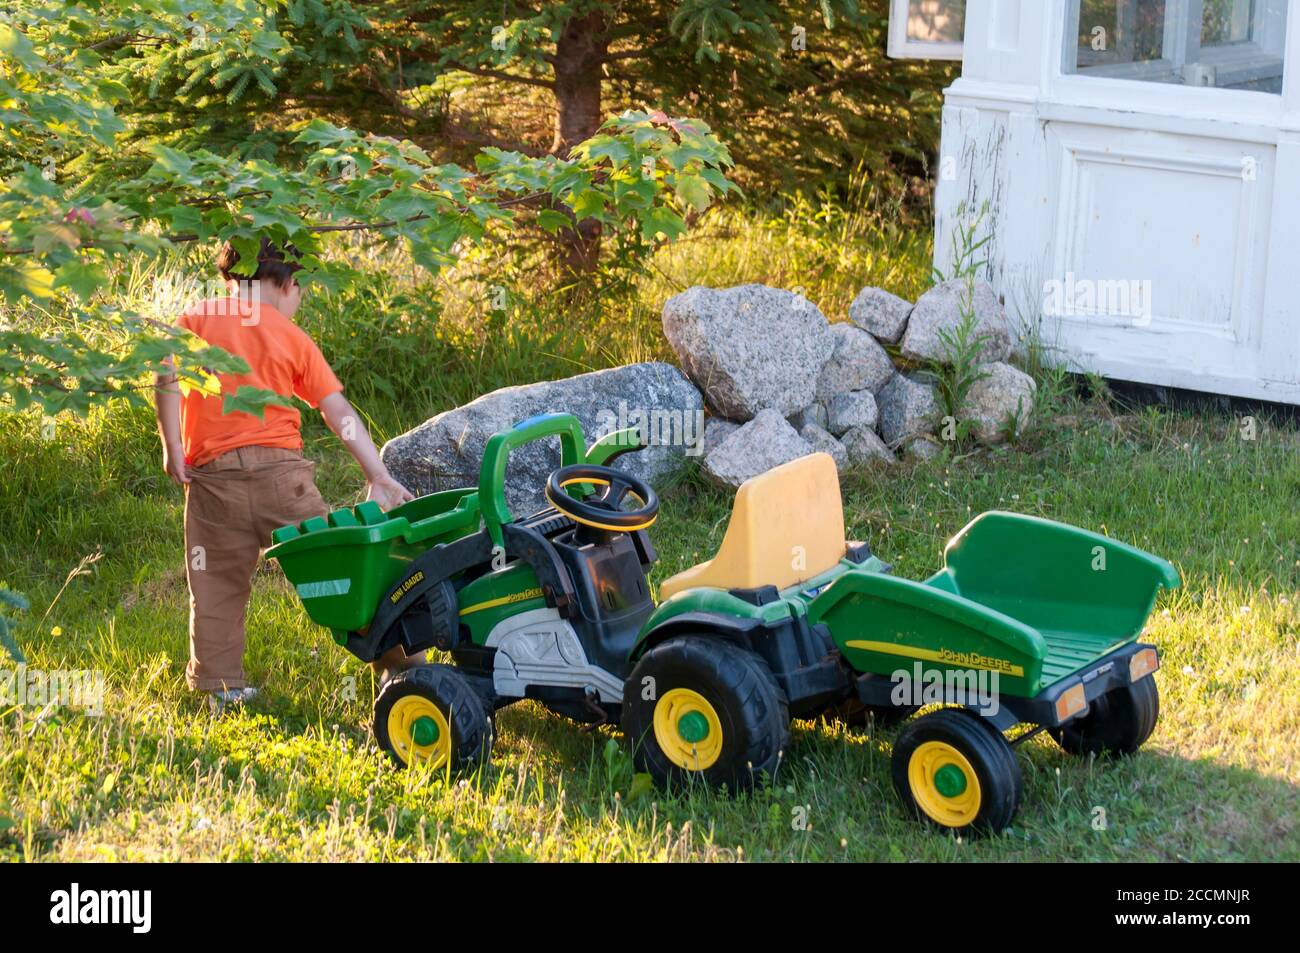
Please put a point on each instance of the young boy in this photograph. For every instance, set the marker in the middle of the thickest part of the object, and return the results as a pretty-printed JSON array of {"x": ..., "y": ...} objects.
[{"x": 244, "y": 477}]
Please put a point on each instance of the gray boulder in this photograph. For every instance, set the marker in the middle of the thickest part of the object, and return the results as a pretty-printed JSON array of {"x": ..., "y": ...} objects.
[
  {"x": 750, "y": 347},
  {"x": 765, "y": 442},
  {"x": 857, "y": 363},
  {"x": 907, "y": 407},
  {"x": 864, "y": 445},
  {"x": 922, "y": 448},
  {"x": 854, "y": 409},
  {"x": 940, "y": 309},
  {"x": 1004, "y": 393},
  {"x": 716, "y": 430},
  {"x": 814, "y": 414},
  {"x": 445, "y": 452},
  {"x": 822, "y": 442},
  {"x": 881, "y": 314}
]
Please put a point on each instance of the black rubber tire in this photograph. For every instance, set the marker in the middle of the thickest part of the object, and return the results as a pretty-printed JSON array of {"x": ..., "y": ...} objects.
[
  {"x": 982, "y": 745},
  {"x": 1117, "y": 723},
  {"x": 855, "y": 714},
  {"x": 737, "y": 683},
  {"x": 471, "y": 724}
]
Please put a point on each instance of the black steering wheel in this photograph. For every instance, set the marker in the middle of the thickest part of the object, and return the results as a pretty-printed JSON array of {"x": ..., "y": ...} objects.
[{"x": 603, "y": 510}]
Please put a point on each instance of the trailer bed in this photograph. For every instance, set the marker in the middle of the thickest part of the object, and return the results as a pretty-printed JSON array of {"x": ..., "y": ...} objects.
[{"x": 1068, "y": 652}]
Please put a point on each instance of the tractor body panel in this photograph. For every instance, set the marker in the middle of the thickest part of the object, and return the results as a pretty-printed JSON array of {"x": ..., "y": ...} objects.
[
  {"x": 496, "y": 596},
  {"x": 692, "y": 607},
  {"x": 883, "y": 624},
  {"x": 612, "y": 597},
  {"x": 531, "y": 645},
  {"x": 765, "y": 605}
]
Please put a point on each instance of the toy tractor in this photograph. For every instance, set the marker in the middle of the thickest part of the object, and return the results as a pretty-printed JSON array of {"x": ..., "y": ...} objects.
[{"x": 788, "y": 620}]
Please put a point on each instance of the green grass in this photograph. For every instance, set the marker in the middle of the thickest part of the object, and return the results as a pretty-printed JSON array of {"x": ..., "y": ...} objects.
[{"x": 298, "y": 777}]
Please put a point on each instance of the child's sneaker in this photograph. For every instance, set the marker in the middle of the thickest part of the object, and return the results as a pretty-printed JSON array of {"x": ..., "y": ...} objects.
[{"x": 225, "y": 698}]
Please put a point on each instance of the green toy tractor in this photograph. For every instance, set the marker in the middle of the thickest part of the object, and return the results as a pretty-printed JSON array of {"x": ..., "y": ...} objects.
[{"x": 1030, "y": 622}]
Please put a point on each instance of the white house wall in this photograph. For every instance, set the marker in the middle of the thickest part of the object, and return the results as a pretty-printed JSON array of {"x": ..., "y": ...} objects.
[
  {"x": 1280, "y": 359},
  {"x": 1202, "y": 203},
  {"x": 993, "y": 167}
]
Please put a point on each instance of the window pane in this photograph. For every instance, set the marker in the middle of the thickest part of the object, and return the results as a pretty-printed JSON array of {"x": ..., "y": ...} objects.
[
  {"x": 1226, "y": 21},
  {"x": 1120, "y": 31},
  {"x": 936, "y": 21},
  {"x": 1229, "y": 44}
]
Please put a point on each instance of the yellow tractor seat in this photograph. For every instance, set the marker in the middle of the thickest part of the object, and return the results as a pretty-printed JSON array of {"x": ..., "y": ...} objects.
[{"x": 787, "y": 526}]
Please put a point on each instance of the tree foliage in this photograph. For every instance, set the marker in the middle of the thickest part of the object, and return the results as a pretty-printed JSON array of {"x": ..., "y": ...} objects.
[
  {"x": 91, "y": 174},
  {"x": 805, "y": 89}
]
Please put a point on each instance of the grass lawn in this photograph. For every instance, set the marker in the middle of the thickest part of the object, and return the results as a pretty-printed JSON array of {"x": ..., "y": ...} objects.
[{"x": 297, "y": 776}]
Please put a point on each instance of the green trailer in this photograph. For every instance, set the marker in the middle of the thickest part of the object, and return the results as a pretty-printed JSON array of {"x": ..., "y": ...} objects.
[{"x": 1031, "y": 625}]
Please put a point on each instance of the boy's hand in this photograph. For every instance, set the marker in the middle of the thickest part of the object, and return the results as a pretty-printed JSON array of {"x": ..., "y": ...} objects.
[
  {"x": 387, "y": 492},
  {"x": 174, "y": 464}
]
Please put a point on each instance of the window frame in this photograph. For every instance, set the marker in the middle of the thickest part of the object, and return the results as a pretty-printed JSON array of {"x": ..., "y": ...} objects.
[
  {"x": 1242, "y": 61},
  {"x": 901, "y": 47}
]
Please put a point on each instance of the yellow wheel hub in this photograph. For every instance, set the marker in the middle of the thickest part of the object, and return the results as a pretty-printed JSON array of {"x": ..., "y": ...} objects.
[
  {"x": 418, "y": 731},
  {"x": 687, "y": 729},
  {"x": 943, "y": 784}
]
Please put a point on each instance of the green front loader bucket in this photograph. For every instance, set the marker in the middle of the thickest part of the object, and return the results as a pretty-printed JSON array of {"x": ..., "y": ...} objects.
[{"x": 341, "y": 565}]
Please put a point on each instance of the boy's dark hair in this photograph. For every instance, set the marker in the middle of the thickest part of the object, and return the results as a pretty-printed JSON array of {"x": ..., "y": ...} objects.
[{"x": 272, "y": 263}]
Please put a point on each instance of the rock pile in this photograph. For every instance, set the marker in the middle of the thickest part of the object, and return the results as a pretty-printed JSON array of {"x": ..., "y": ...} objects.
[
  {"x": 778, "y": 381},
  {"x": 781, "y": 381}
]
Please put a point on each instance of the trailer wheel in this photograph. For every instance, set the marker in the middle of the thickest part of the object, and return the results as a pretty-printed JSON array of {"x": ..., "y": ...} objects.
[
  {"x": 956, "y": 770},
  {"x": 1117, "y": 723},
  {"x": 700, "y": 707},
  {"x": 432, "y": 715}
]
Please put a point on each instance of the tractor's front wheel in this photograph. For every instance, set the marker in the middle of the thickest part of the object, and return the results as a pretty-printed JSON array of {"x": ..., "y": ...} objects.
[
  {"x": 432, "y": 715},
  {"x": 1117, "y": 723},
  {"x": 956, "y": 770},
  {"x": 697, "y": 706}
]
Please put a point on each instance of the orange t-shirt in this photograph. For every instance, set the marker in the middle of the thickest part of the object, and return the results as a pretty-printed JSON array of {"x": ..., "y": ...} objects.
[{"x": 281, "y": 357}]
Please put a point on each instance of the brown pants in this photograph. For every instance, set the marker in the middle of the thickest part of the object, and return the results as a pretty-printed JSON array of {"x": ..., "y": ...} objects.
[{"x": 232, "y": 505}]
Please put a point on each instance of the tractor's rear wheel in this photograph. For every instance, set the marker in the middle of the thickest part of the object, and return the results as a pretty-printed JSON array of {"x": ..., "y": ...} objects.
[
  {"x": 955, "y": 770},
  {"x": 700, "y": 707},
  {"x": 432, "y": 715},
  {"x": 1117, "y": 723}
]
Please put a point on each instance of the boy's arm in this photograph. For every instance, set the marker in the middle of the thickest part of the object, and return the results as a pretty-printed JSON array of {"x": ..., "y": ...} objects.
[
  {"x": 348, "y": 426},
  {"x": 167, "y": 403}
]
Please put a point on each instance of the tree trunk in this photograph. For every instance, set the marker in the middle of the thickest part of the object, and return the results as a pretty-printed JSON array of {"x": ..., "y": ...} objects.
[{"x": 578, "y": 55}]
